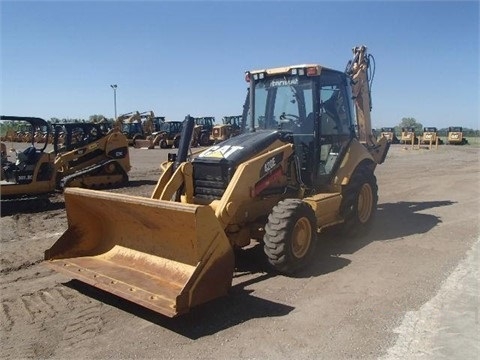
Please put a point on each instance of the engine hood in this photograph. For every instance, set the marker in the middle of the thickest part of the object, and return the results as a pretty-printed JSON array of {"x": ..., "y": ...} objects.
[{"x": 240, "y": 148}]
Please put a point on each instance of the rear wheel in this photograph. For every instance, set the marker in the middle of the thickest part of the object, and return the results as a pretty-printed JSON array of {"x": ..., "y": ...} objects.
[
  {"x": 204, "y": 139},
  {"x": 290, "y": 235},
  {"x": 359, "y": 204}
]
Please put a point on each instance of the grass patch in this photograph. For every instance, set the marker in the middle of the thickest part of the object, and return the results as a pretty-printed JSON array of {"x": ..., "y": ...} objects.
[{"x": 473, "y": 140}]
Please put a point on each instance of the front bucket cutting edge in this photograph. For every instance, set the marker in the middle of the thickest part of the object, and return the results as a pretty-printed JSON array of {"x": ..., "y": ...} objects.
[{"x": 166, "y": 256}]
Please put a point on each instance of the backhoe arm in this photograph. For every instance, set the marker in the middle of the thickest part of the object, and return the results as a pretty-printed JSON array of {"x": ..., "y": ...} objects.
[{"x": 358, "y": 69}]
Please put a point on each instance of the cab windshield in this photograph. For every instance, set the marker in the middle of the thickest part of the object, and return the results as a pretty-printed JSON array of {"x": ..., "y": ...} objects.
[
  {"x": 132, "y": 127},
  {"x": 171, "y": 126},
  {"x": 284, "y": 103}
]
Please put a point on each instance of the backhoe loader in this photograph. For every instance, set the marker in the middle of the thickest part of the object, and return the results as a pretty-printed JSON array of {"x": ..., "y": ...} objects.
[
  {"x": 202, "y": 131},
  {"x": 131, "y": 126},
  {"x": 84, "y": 155},
  {"x": 169, "y": 134},
  {"x": 231, "y": 125},
  {"x": 304, "y": 165}
]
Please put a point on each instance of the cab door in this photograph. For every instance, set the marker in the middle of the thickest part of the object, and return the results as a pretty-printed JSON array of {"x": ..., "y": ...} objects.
[{"x": 334, "y": 125}]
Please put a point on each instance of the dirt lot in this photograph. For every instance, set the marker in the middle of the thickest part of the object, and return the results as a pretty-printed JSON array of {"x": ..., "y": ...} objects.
[{"x": 347, "y": 305}]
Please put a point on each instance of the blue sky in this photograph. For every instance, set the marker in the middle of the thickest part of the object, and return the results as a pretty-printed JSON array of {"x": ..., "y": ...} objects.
[{"x": 58, "y": 59}]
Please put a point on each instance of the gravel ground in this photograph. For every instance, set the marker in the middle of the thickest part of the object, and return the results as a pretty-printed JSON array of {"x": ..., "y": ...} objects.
[{"x": 407, "y": 290}]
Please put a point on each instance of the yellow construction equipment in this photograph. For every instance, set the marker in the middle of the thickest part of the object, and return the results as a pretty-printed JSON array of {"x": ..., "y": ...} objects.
[
  {"x": 90, "y": 155},
  {"x": 306, "y": 164},
  {"x": 455, "y": 136},
  {"x": 231, "y": 125},
  {"x": 169, "y": 134},
  {"x": 84, "y": 155},
  {"x": 408, "y": 136},
  {"x": 132, "y": 125},
  {"x": 389, "y": 134},
  {"x": 203, "y": 130},
  {"x": 430, "y": 137}
]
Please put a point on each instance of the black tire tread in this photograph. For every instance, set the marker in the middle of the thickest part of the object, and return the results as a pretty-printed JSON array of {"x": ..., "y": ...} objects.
[
  {"x": 352, "y": 226},
  {"x": 280, "y": 223}
]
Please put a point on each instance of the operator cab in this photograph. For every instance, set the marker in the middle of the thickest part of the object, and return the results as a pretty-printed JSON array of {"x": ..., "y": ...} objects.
[
  {"x": 313, "y": 104},
  {"x": 24, "y": 169}
]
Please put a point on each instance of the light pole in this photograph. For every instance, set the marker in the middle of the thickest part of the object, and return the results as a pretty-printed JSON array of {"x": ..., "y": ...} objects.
[{"x": 114, "y": 87}]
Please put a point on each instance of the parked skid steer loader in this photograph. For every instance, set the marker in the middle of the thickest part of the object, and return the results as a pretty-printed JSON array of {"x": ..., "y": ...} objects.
[
  {"x": 455, "y": 136},
  {"x": 84, "y": 155},
  {"x": 389, "y": 133},
  {"x": 301, "y": 168},
  {"x": 90, "y": 156},
  {"x": 30, "y": 176}
]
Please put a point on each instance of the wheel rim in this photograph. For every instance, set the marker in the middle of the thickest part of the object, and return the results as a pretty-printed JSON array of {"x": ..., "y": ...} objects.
[
  {"x": 302, "y": 237},
  {"x": 365, "y": 200}
]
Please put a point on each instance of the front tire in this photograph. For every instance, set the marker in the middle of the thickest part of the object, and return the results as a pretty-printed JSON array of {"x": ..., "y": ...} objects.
[
  {"x": 137, "y": 137},
  {"x": 163, "y": 144},
  {"x": 290, "y": 236},
  {"x": 359, "y": 204}
]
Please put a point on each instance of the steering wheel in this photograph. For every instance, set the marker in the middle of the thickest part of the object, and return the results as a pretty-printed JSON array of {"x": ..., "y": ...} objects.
[{"x": 291, "y": 118}]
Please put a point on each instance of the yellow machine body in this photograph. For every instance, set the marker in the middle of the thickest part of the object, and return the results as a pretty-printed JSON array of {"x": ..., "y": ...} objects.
[
  {"x": 175, "y": 250},
  {"x": 455, "y": 136},
  {"x": 92, "y": 160}
]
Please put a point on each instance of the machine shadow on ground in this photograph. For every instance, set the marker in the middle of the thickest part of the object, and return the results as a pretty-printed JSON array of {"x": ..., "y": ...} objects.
[
  {"x": 56, "y": 202},
  {"x": 30, "y": 206},
  {"x": 393, "y": 221},
  {"x": 137, "y": 183},
  {"x": 207, "y": 319}
]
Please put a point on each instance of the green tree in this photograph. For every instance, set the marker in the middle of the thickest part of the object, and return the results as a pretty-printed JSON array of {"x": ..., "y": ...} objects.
[{"x": 409, "y": 122}]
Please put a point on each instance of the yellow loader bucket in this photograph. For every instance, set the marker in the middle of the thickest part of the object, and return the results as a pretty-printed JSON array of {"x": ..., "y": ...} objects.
[{"x": 166, "y": 256}]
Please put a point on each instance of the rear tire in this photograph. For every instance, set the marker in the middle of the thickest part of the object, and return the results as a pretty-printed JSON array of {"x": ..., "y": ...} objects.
[
  {"x": 359, "y": 204},
  {"x": 290, "y": 236},
  {"x": 204, "y": 139}
]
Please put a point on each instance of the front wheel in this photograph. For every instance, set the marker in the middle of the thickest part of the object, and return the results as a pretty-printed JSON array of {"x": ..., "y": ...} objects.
[
  {"x": 290, "y": 236},
  {"x": 137, "y": 137},
  {"x": 163, "y": 144},
  {"x": 359, "y": 204}
]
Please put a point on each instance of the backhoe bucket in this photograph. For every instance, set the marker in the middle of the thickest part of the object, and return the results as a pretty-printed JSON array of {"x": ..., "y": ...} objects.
[{"x": 166, "y": 256}]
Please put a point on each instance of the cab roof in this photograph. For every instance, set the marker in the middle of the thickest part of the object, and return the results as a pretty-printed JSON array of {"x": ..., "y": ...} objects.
[
  {"x": 34, "y": 121},
  {"x": 287, "y": 69}
]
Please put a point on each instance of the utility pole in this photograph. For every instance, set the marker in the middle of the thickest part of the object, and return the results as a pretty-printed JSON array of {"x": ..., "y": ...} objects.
[{"x": 114, "y": 87}]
